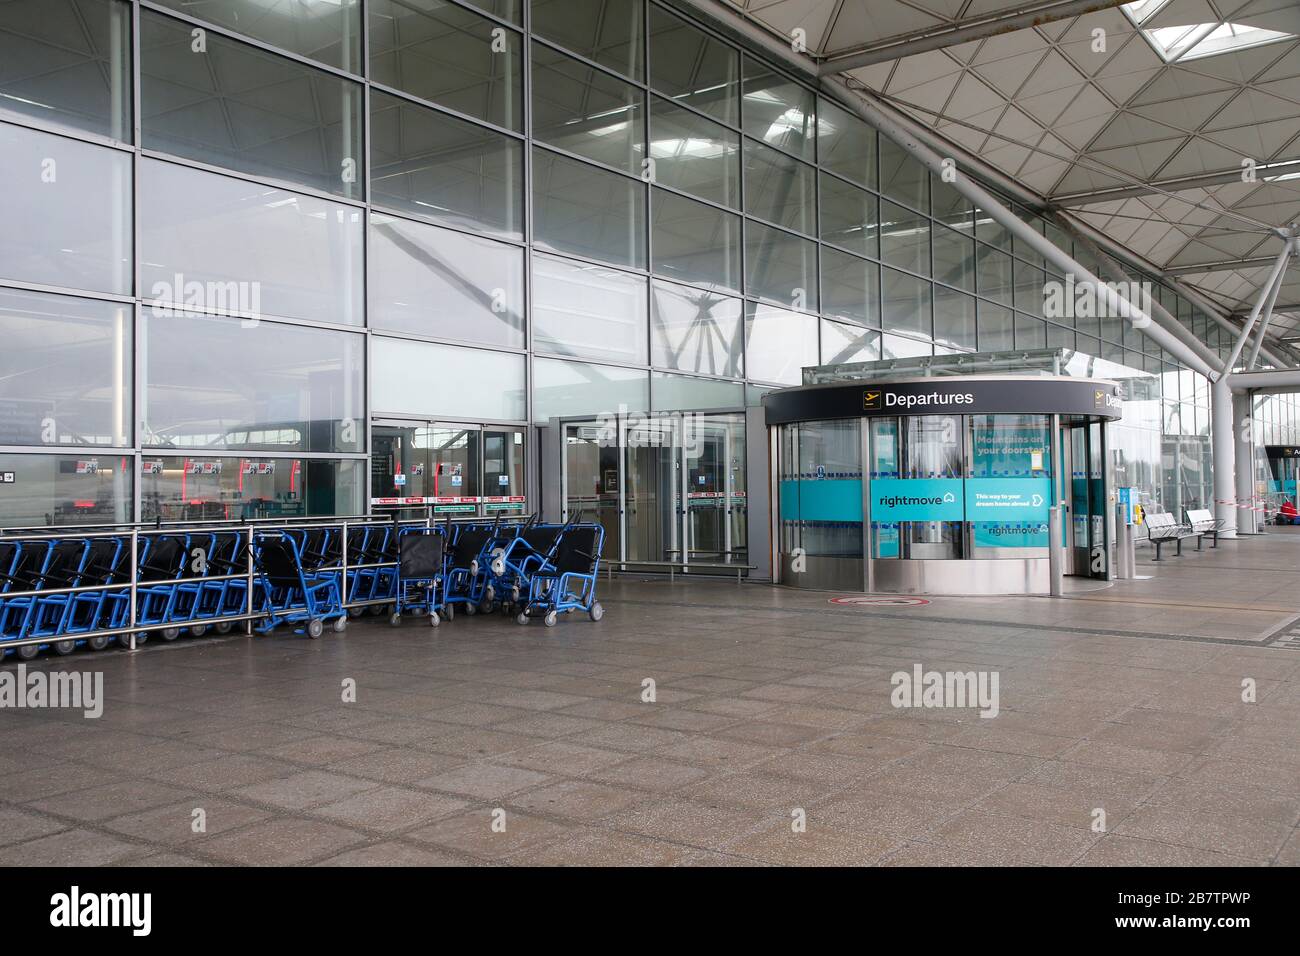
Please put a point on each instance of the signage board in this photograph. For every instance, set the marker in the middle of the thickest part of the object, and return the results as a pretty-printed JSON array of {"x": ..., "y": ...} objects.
[
  {"x": 1008, "y": 499},
  {"x": 916, "y": 499}
]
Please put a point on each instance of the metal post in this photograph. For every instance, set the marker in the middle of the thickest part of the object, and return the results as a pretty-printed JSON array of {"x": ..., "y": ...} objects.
[
  {"x": 1268, "y": 317},
  {"x": 1274, "y": 278},
  {"x": 1224, "y": 457},
  {"x": 1247, "y": 516},
  {"x": 1055, "y": 538},
  {"x": 135, "y": 577},
  {"x": 343, "y": 572},
  {"x": 248, "y": 623}
]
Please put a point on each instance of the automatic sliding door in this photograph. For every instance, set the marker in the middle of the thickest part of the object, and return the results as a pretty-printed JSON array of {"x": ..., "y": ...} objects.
[
  {"x": 593, "y": 482},
  {"x": 653, "y": 490}
]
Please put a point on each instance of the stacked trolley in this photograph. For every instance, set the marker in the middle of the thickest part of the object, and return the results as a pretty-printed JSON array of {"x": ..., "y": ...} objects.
[{"x": 65, "y": 588}]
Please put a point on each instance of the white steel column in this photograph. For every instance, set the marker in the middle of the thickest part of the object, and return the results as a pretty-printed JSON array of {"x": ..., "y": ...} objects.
[
  {"x": 1268, "y": 315},
  {"x": 1247, "y": 516},
  {"x": 1264, "y": 293},
  {"x": 1224, "y": 457}
]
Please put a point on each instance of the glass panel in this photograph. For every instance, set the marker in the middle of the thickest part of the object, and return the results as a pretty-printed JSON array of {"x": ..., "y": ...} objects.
[
  {"x": 194, "y": 488},
  {"x": 399, "y": 462},
  {"x": 954, "y": 319},
  {"x": 441, "y": 52},
  {"x": 693, "y": 68},
  {"x": 846, "y": 144},
  {"x": 421, "y": 378},
  {"x": 995, "y": 328},
  {"x": 503, "y": 468},
  {"x": 780, "y": 267},
  {"x": 591, "y": 481},
  {"x": 577, "y": 388},
  {"x": 1029, "y": 292},
  {"x": 991, "y": 231},
  {"x": 904, "y": 238},
  {"x": 1058, "y": 337},
  {"x": 780, "y": 189},
  {"x": 932, "y": 449},
  {"x": 696, "y": 331},
  {"x": 848, "y": 343},
  {"x": 1031, "y": 333},
  {"x": 682, "y": 392},
  {"x": 994, "y": 274},
  {"x": 441, "y": 168},
  {"x": 227, "y": 383},
  {"x": 693, "y": 154},
  {"x": 954, "y": 259},
  {"x": 65, "y": 489},
  {"x": 430, "y": 281},
  {"x": 453, "y": 464},
  {"x": 850, "y": 217},
  {"x": 67, "y": 62},
  {"x": 780, "y": 344},
  {"x": 608, "y": 32},
  {"x": 588, "y": 311},
  {"x": 1010, "y": 463},
  {"x": 694, "y": 242},
  {"x": 583, "y": 110},
  {"x": 212, "y": 243},
  {"x": 716, "y": 505},
  {"x": 826, "y": 496},
  {"x": 65, "y": 370},
  {"x": 230, "y": 104},
  {"x": 900, "y": 346},
  {"x": 587, "y": 211},
  {"x": 950, "y": 207},
  {"x": 902, "y": 177},
  {"x": 906, "y": 303},
  {"x": 777, "y": 110},
  {"x": 65, "y": 212},
  {"x": 850, "y": 288},
  {"x": 324, "y": 30}
]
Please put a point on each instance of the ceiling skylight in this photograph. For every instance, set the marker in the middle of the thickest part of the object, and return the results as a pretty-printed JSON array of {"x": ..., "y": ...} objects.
[{"x": 1190, "y": 41}]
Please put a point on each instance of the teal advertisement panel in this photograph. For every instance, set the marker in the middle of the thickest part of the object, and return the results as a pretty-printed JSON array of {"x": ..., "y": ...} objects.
[
  {"x": 998, "y": 535},
  {"x": 822, "y": 499},
  {"x": 916, "y": 499},
  {"x": 1006, "y": 500}
]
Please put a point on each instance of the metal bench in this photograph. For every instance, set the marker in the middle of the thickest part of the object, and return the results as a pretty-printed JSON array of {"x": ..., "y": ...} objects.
[
  {"x": 1202, "y": 522},
  {"x": 676, "y": 567},
  {"x": 1162, "y": 528}
]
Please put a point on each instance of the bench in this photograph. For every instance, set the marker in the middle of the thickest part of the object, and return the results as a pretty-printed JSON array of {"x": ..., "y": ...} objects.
[
  {"x": 1202, "y": 522},
  {"x": 1162, "y": 529}
]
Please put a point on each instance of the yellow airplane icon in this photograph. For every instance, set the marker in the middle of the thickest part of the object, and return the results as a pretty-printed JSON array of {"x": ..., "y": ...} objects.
[{"x": 870, "y": 400}]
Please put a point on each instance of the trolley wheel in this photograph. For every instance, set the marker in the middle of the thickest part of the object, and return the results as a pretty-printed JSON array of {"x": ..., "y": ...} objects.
[
  {"x": 550, "y": 619},
  {"x": 64, "y": 648},
  {"x": 355, "y": 611},
  {"x": 521, "y": 617},
  {"x": 315, "y": 628},
  {"x": 169, "y": 633},
  {"x": 489, "y": 594},
  {"x": 27, "y": 651},
  {"x": 471, "y": 609},
  {"x": 596, "y": 611},
  {"x": 508, "y": 608},
  {"x": 375, "y": 609},
  {"x": 340, "y": 624},
  {"x": 486, "y": 606},
  {"x": 198, "y": 630},
  {"x": 395, "y": 619},
  {"x": 434, "y": 620},
  {"x": 449, "y": 612},
  {"x": 141, "y": 639},
  {"x": 97, "y": 643},
  {"x": 224, "y": 627}
]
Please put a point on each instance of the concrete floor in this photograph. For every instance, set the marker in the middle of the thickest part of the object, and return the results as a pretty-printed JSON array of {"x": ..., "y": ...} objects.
[{"x": 1126, "y": 700}]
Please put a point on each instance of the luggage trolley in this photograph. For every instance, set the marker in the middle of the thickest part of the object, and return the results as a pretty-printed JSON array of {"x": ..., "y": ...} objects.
[
  {"x": 293, "y": 593},
  {"x": 567, "y": 580},
  {"x": 420, "y": 574}
]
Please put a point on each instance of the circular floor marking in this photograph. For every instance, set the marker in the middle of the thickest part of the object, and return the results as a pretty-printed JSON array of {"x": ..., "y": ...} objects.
[{"x": 880, "y": 601}]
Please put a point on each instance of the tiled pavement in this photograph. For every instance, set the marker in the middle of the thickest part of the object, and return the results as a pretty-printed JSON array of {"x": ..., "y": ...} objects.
[{"x": 767, "y": 700}]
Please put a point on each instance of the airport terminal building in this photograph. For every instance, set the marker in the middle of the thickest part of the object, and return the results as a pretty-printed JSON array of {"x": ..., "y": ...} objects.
[{"x": 274, "y": 259}]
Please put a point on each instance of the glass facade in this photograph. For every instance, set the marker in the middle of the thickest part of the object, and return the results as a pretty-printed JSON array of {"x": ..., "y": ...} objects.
[{"x": 483, "y": 211}]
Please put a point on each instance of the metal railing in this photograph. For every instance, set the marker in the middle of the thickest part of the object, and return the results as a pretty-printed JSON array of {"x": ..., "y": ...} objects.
[{"x": 142, "y": 531}]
